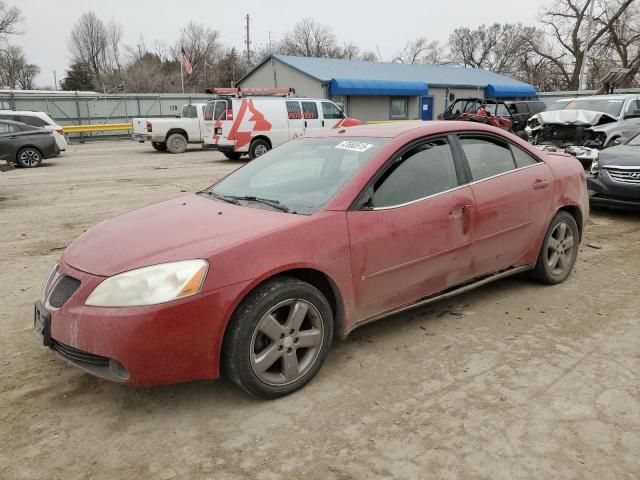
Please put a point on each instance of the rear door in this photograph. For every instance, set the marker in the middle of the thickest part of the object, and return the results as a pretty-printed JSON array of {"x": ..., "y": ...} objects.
[
  {"x": 411, "y": 234},
  {"x": 512, "y": 197},
  {"x": 8, "y": 141},
  {"x": 294, "y": 118}
]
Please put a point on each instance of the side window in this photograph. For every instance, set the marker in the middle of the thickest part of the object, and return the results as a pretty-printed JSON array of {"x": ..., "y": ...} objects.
[
  {"x": 7, "y": 128},
  {"x": 190, "y": 111},
  {"x": 486, "y": 156},
  {"x": 399, "y": 108},
  {"x": 310, "y": 110},
  {"x": 330, "y": 111},
  {"x": 425, "y": 170},
  {"x": 523, "y": 159},
  {"x": 633, "y": 108},
  {"x": 208, "y": 111},
  {"x": 220, "y": 111},
  {"x": 293, "y": 110},
  {"x": 33, "y": 121},
  {"x": 8, "y": 117}
]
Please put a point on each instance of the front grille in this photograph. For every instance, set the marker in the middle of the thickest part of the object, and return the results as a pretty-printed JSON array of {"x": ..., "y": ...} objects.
[
  {"x": 63, "y": 290},
  {"x": 79, "y": 356},
  {"x": 625, "y": 175}
]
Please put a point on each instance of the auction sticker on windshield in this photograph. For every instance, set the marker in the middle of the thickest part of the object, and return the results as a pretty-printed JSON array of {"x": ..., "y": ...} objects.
[{"x": 354, "y": 146}]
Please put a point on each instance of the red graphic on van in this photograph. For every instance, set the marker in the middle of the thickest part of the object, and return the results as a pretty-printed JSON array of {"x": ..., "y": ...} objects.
[{"x": 261, "y": 124}]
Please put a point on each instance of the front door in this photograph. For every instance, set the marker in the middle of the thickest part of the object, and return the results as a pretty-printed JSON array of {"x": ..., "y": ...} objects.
[
  {"x": 412, "y": 236},
  {"x": 426, "y": 108}
]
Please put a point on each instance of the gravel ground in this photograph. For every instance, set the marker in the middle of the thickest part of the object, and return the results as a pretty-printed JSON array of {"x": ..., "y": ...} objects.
[{"x": 514, "y": 380}]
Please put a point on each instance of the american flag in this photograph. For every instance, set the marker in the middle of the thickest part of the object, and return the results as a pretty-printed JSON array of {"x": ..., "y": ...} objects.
[{"x": 182, "y": 58}]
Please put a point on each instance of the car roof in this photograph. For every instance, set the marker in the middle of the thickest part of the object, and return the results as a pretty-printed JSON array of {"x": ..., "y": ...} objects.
[
  {"x": 610, "y": 97},
  {"x": 22, "y": 112},
  {"x": 395, "y": 129}
]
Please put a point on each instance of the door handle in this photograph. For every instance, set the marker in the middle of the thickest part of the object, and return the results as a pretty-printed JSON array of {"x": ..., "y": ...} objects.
[
  {"x": 539, "y": 184},
  {"x": 305, "y": 124},
  {"x": 464, "y": 213},
  {"x": 323, "y": 123}
]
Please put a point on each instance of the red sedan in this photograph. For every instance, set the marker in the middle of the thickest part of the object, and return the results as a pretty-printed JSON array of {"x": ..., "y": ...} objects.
[{"x": 253, "y": 277}]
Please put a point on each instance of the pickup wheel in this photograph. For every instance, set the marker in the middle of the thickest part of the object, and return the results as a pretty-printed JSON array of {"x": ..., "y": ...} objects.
[
  {"x": 176, "y": 143},
  {"x": 159, "y": 146},
  {"x": 258, "y": 147}
]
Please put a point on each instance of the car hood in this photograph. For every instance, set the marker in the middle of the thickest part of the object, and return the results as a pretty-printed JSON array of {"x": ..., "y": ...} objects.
[
  {"x": 622, "y": 155},
  {"x": 573, "y": 117},
  {"x": 183, "y": 228}
]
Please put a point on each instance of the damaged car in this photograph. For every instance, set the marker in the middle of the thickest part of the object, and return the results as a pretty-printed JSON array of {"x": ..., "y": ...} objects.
[
  {"x": 615, "y": 176},
  {"x": 587, "y": 124},
  {"x": 509, "y": 115}
]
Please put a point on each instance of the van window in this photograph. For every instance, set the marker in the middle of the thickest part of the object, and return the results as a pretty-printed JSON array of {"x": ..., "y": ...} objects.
[
  {"x": 330, "y": 111},
  {"x": 310, "y": 110},
  {"x": 33, "y": 121},
  {"x": 208, "y": 111},
  {"x": 294, "y": 111}
]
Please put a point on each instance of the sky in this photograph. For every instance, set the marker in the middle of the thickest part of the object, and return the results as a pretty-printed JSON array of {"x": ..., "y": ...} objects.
[{"x": 369, "y": 24}]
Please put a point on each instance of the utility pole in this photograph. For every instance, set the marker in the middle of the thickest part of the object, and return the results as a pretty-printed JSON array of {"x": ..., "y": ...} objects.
[
  {"x": 270, "y": 48},
  {"x": 248, "y": 40},
  {"x": 55, "y": 81},
  {"x": 581, "y": 80}
]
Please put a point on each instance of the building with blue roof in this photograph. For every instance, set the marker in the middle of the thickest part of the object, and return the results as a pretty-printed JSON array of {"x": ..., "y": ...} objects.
[{"x": 377, "y": 91}]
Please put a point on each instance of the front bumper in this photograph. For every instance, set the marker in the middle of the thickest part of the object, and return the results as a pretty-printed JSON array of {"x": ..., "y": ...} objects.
[
  {"x": 174, "y": 342},
  {"x": 606, "y": 192}
]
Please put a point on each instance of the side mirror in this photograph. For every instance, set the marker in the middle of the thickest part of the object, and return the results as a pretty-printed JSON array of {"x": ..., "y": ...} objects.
[{"x": 367, "y": 200}]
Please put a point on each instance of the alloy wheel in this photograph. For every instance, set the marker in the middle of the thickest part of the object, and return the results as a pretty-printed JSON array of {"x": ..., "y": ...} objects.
[
  {"x": 560, "y": 249},
  {"x": 30, "y": 158},
  {"x": 286, "y": 342}
]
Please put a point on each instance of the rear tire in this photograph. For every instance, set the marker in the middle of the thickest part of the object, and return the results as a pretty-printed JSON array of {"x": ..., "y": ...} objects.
[
  {"x": 559, "y": 250},
  {"x": 29, "y": 157},
  {"x": 258, "y": 147},
  {"x": 232, "y": 155},
  {"x": 176, "y": 143},
  {"x": 159, "y": 146},
  {"x": 278, "y": 338}
]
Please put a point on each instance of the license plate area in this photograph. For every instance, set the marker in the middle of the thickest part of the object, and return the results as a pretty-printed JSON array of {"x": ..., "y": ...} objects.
[{"x": 42, "y": 324}]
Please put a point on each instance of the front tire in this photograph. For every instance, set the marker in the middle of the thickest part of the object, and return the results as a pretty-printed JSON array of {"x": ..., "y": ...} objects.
[
  {"x": 258, "y": 147},
  {"x": 278, "y": 338},
  {"x": 559, "y": 250},
  {"x": 159, "y": 146},
  {"x": 176, "y": 143},
  {"x": 29, "y": 157}
]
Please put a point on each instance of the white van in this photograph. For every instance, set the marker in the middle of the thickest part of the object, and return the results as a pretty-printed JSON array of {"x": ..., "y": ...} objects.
[
  {"x": 254, "y": 121},
  {"x": 37, "y": 119}
]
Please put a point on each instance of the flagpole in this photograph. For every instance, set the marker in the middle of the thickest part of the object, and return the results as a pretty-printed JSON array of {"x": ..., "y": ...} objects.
[{"x": 181, "y": 77}]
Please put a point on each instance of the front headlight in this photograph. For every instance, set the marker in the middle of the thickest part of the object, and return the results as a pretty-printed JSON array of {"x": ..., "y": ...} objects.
[
  {"x": 150, "y": 285},
  {"x": 595, "y": 167}
]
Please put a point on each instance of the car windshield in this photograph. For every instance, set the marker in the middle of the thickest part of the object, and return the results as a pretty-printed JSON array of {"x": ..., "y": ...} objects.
[
  {"x": 611, "y": 106},
  {"x": 302, "y": 175},
  {"x": 557, "y": 105}
]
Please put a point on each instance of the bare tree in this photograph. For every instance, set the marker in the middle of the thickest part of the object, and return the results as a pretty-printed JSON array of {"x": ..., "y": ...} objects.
[
  {"x": 421, "y": 50},
  {"x": 114, "y": 39},
  {"x": 10, "y": 19},
  {"x": 496, "y": 47},
  {"x": 202, "y": 46},
  {"x": 308, "y": 38},
  {"x": 15, "y": 71},
  {"x": 566, "y": 23},
  {"x": 622, "y": 40},
  {"x": 89, "y": 44}
]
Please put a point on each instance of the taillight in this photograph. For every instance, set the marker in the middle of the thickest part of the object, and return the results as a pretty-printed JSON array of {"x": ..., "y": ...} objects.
[
  {"x": 60, "y": 131},
  {"x": 229, "y": 113},
  {"x": 149, "y": 127}
]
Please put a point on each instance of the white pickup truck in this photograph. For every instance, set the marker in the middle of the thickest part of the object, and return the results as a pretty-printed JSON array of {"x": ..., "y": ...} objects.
[{"x": 172, "y": 134}]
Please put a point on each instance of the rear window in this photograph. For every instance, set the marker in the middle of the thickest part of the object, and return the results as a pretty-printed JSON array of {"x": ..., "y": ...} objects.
[
  {"x": 190, "y": 111},
  {"x": 33, "y": 121}
]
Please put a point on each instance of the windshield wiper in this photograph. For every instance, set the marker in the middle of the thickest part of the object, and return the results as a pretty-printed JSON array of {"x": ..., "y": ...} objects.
[
  {"x": 272, "y": 203},
  {"x": 220, "y": 197}
]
